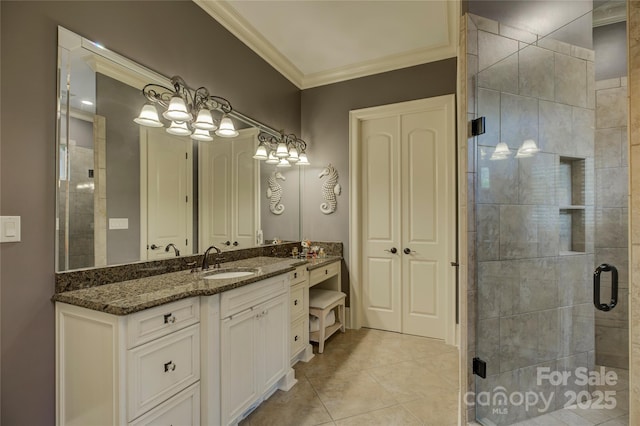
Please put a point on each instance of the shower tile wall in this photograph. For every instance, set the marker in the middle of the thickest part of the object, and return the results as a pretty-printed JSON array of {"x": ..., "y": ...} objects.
[
  {"x": 611, "y": 245},
  {"x": 534, "y": 299}
]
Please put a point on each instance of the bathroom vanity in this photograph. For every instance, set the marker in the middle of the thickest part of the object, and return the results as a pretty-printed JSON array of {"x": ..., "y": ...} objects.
[{"x": 182, "y": 347}]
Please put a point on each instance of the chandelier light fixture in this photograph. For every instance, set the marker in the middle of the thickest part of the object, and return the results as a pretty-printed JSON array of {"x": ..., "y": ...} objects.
[
  {"x": 188, "y": 110},
  {"x": 283, "y": 151}
]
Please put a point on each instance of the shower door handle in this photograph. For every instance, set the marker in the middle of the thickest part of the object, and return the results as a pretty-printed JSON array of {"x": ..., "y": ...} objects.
[{"x": 614, "y": 287}]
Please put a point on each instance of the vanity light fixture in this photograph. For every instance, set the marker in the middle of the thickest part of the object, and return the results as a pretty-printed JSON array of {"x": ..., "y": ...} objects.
[
  {"x": 272, "y": 159},
  {"x": 188, "y": 110},
  {"x": 226, "y": 129},
  {"x": 283, "y": 150}
]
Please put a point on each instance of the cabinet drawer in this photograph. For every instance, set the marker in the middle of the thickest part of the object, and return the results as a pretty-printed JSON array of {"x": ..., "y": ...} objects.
[
  {"x": 242, "y": 298},
  {"x": 297, "y": 336},
  {"x": 160, "y": 369},
  {"x": 182, "y": 409},
  {"x": 297, "y": 301},
  {"x": 298, "y": 276},
  {"x": 150, "y": 324},
  {"x": 321, "y": 274}
]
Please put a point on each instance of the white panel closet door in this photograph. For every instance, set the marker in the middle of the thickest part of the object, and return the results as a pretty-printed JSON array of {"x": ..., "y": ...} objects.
[
  {"x": 382, "y": 295},
  {"x": 408, "y": 207}
]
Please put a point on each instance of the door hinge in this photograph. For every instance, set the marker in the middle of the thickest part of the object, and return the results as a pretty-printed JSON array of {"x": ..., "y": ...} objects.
[
  {"x": 186, "y": 198},
  {"x": 186, "y": 242},
  {"x": 479, "y": 367},
  {"x": 186, "y": 155},
  {"x": 478, "y": 126}
]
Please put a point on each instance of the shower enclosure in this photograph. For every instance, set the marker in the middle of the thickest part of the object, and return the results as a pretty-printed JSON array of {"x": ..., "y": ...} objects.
[{"x": 548, "y": 185}]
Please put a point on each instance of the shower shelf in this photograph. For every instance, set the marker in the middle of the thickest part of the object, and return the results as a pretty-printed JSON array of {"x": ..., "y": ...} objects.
[{"x": 571, "y": 209}]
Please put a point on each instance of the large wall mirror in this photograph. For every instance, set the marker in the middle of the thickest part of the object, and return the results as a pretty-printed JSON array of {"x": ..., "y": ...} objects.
[{"x": 128, "y": 193}]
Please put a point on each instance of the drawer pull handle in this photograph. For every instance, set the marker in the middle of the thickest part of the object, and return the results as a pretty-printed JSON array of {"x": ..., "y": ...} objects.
[
  {"x": 295, "y": 275},
  {"x": 295, "y": 338},
  {"x": 295, "y": 302},
  {"x": 169, "y": 318},
  {"x": 326, "y": 272},
  {"x": 169, "y": 366}
]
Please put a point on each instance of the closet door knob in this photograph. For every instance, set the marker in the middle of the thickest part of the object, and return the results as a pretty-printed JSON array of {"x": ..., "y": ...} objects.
[
  {"x": 408, "y": 251},
  {"x": 392, "y": 250}
]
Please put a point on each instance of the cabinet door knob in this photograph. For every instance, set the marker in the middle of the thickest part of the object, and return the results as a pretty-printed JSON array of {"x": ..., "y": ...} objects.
[
  {"x": 295, "y": 338},
  {"x": 169, "y": 366},
  {"x": 295, "y": 302},
  {"x": 227, "y": 243},
  {"x": 235, "y": 243},
  {"x": 169, "y": 318}
]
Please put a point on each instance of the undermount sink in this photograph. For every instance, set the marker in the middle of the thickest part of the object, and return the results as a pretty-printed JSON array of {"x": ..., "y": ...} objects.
[{"x": 228, "y": 273}]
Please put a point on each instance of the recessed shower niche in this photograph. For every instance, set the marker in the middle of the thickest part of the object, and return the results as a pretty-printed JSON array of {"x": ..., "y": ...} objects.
[{"x": 571, "y": 201}]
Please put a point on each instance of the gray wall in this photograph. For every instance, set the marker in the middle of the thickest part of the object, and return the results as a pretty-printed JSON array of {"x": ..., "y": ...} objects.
[
  {"x": 564, "y": 20},
  {"x": 325, "y": 125},
  {"x": 610, "y": 44},
  {"x": 27, "y": 151}
]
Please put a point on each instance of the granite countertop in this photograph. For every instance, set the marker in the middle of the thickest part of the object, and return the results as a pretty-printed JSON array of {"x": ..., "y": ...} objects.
[{"x": 131, "y": 296}]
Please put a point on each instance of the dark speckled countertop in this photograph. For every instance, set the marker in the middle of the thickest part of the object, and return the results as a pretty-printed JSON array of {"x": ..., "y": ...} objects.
[{"x": 126, "y": 297}]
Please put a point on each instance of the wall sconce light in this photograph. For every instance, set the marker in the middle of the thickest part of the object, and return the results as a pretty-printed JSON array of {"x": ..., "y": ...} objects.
[
  {"x": 182, "y": 104},
  {"x": 283, "y": 150}
]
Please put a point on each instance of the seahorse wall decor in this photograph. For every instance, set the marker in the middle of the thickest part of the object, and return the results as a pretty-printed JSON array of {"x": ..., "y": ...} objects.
[
  {"x": 330, "y": 189},
  {"x": 274, "y": 193}
]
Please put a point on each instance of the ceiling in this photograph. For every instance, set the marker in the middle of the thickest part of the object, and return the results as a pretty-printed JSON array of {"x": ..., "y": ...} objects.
[{"x": 318, "y": 42}]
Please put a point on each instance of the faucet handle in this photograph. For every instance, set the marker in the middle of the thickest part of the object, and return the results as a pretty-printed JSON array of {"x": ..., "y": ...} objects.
[{"x": 193, "y": 266}]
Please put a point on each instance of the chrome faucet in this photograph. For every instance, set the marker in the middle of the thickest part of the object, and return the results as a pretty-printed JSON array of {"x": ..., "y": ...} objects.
[
  {"x": 171, "y": 245},
  {"x": 205, "y": 261}
]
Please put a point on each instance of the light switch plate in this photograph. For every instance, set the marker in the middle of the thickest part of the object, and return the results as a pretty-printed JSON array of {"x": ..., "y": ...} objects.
[
  {"x": 9, "y": 229},
  {"x": 118, "y": 223}
]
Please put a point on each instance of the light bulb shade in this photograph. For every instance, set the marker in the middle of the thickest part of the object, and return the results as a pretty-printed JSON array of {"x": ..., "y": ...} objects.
[
  {"x": 283, "y": 163},
  {"x": 501, "y": 152},
  {"x": 261, "y": 153},
  {"x": 282, "y": 151},
  {"x": 272, "y": 159},
  {"x": 226, "y": 129},
  {"x": 179, "y": 129},
  {"x": 293, "y": 155},
  {"x": 527, "y": 149},
  {"x": 302, "y": 160},
  {"x": 201, "y": 135},
  {"x": 204, "y": 121},
  {"x": 177, "y": 110},
  {"x": 148, "y": 116}
]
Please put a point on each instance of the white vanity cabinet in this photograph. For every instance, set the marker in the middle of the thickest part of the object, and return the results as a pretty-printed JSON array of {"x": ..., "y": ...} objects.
[
  {"x": 254, "y": 343},
  {"x": 299, "y": 346},
  {"x": 134, "y": 369}
]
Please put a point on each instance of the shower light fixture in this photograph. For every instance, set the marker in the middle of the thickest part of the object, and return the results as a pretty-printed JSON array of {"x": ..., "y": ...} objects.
[
  {"x": 283, "y": 150},
  {"x": 188, "y": 110}
]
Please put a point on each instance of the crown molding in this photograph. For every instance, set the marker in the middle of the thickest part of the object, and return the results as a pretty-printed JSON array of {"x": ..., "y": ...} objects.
[{"x": 229, "y": 18}]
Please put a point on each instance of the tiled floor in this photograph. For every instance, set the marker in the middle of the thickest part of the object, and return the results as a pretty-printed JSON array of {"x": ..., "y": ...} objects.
[{"x": 370, "y": 377}]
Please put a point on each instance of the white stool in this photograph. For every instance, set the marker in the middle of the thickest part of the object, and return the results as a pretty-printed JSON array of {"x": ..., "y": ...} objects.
[{"x": 321, "y": 302}]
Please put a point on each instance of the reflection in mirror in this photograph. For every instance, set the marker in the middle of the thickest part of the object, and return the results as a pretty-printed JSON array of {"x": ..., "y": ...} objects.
[{"x": 127, "y": 193}]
